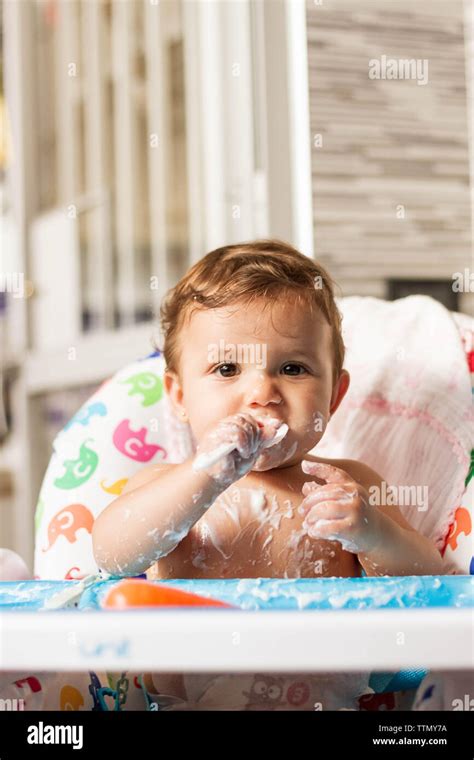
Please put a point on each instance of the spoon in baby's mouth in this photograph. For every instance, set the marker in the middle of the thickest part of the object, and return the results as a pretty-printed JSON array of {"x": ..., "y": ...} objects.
[{"x": 207, "y": 459}]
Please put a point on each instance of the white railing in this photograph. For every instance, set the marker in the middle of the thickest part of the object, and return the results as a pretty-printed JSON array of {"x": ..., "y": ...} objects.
[{"x": 155, "y": 127}]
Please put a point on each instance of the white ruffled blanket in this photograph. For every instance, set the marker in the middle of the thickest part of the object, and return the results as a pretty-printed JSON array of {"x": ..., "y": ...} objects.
[{"x": 408, "y": 412}]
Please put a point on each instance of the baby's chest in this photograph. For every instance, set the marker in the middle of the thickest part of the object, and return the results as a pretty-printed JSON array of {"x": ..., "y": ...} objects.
[{"x": 250, "y": 533}]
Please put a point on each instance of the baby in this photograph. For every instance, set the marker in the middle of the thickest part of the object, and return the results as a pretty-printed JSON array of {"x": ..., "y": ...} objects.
[{"x": 254, "y": 363}]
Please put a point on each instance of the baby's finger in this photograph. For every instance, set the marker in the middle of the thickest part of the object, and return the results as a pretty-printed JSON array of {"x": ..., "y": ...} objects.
[
  {"x": 252, "y": 428},
  {"x": 243, "y": 445},
  {"x": 247, "y": 438},
  {"x": 310, "y": 487},
  {"x": 327, "y": 510},
  {"x": 323, "y": 493},
  {"x": 326, "y": 472},
  {"x": 239, "y": 430},
  {"x": 327, "y": 529}
]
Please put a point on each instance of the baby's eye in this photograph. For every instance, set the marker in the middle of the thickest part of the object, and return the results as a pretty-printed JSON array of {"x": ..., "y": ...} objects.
[
  {"x": 298, "y": 366},
  {"x": 227, "y": 369}
]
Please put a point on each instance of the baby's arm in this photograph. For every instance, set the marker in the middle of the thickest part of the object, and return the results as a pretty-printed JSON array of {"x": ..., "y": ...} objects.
[
  {"x": 385, "y": 543},
  {"x": 160, "y": 505},
  {"x": 151, "y": 517},
  {"x": 402, "y": 551}
]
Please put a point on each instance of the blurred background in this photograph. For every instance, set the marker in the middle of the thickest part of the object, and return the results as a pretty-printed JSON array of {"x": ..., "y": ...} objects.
[{"x": 137, "y": 135}]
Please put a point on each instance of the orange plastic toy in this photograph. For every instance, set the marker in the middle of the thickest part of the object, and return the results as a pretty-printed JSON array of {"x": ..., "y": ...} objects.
[{"x": 142, "y": 593}]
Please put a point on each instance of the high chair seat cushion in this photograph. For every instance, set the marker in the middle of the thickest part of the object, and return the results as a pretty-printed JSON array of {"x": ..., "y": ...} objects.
[{"x": 124, "y": 426}]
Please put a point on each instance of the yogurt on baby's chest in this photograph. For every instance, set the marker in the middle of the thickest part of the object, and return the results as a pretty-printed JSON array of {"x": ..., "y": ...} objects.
[
  {"x": 234, "y": 532},
  {"x": 251, "y": 532}
]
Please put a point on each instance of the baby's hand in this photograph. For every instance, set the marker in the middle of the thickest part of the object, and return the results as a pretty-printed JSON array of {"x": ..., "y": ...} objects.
[
  {"x": 339, "y": 510},
  {"x": 248, "y": 437}
]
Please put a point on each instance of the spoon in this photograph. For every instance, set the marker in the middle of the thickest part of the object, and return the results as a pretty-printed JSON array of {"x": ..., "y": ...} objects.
[{"x": 207, "y": 459}]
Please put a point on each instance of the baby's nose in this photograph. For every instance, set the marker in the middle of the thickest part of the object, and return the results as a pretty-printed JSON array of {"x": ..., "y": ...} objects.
[{"x": 263, "y": 391}]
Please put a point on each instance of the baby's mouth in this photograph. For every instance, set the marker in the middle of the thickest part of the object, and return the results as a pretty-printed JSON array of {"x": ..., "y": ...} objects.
[
  {"x": 277, "y": 436},
  {"x": 263, "y": 422}
]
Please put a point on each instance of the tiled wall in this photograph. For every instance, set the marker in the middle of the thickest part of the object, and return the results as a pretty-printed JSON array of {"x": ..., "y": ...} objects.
[{"x": 391, "y": 177}]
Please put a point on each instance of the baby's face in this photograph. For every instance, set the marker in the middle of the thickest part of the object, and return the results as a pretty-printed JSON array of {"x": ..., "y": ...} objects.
[{"x": 268, "y": 362}]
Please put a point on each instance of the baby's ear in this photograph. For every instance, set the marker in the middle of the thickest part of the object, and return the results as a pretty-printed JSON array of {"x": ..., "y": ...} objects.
[
  {"x": 168, "y": 379},
  {"x": 339, "y": 390},
  {"x": 173, "y": 389},
  {"x": 171, "y": 382}
]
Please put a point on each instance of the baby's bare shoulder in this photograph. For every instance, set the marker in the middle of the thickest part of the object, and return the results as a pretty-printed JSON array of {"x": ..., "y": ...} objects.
[
  {"x": 360, "y": 471},
  {"x": 145, "y": 475}
]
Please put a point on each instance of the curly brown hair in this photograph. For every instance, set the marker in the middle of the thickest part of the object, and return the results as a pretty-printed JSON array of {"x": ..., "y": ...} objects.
[{"x": 242, "y": 273}]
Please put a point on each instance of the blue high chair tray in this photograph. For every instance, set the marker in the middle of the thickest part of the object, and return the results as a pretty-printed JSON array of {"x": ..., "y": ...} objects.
[
  {"x": 273, "y": 594},
  {"x": 319, "y": 593}
]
